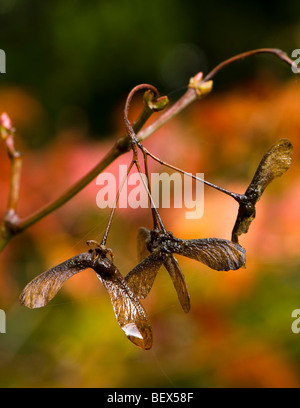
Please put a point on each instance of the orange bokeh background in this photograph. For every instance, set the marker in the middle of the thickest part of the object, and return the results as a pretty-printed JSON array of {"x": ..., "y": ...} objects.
[{"x": 238, "y": 332}]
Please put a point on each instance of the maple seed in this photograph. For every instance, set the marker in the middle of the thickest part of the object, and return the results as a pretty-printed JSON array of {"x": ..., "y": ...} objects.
[
  {"x": 129, "y": 313},
  {"x": 276, "y": 161},
  {"x": 218, "y": 254}
]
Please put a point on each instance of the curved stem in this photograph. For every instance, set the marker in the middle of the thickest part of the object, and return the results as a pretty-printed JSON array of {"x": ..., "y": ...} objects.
[
  {"x": 8, "y": 230},
  {"x": 129, "y": 128},
  {"x": 279, "y": 53},
  {"x": 134, "y": 143},
  {"x": 14, "y": 225},
  {"x": 120, "y": 147},
  {"x": 190, "y": 96}
]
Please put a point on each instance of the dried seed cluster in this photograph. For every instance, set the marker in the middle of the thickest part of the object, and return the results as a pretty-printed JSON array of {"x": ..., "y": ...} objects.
[{"x": 158, "y": 247}]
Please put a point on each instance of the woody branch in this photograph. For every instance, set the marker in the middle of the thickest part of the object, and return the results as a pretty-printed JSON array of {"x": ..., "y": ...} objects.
[{"x": 198, "y": 87}]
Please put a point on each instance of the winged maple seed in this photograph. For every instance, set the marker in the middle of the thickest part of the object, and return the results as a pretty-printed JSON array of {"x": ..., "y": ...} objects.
[
  {"x": 129, "y": 313},
  {"x": 276, "y": 161},
  {"x": 156, "y": 248}
]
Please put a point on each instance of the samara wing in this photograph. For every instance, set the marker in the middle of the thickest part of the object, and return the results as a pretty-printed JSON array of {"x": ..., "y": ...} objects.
[
  {"x": 218, "y": 254},
  {"x": 275, "y": 162},
  {"x": 44, "y": 287},
  {"x": 129, "y": 313},
  {"x": 170, "y": 264},
  {"x": 246, "y": 215},
  {"x": 178, "y": 280},
  {"x": 141, "y": 278}
]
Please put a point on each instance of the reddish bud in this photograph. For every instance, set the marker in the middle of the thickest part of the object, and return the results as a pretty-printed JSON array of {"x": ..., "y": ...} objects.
[{"x": 5, "y": 121}]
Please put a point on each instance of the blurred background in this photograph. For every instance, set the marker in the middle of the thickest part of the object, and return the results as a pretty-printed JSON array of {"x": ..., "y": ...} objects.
[{"x": 69, "y": 66}]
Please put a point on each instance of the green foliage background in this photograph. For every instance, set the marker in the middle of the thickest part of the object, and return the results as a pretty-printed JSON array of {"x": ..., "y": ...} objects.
[{"x": 88, "y": 54}]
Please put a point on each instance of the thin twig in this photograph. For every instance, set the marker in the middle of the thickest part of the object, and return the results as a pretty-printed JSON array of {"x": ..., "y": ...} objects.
[
  {"x": 154, "y": 214},
  {"x": 134, "y": 143},
  {"x": 278, "y": 53},
  {"x": 15, "y": 225},
  {"x": 8, "y": 229},
  {"x": 7, "y": 133},
  {"x": 120, "y": 147},
  {"x": 190, "y": 96},
  {"x": 238, "y": 197},
  {"x": 150, "y": 198},
  {"x": 104, "y": 239}
]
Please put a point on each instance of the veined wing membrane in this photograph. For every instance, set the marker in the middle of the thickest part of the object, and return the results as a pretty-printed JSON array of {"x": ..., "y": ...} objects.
[
  {"x": 129, "y": 313},
  {"x": 218, "y": 254},
  {"x": 44, "y": 287},
  {"x": 178, "y": 280},
  {"x": 141, "y": 278},
  {"x": 274, "y": 163}
]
